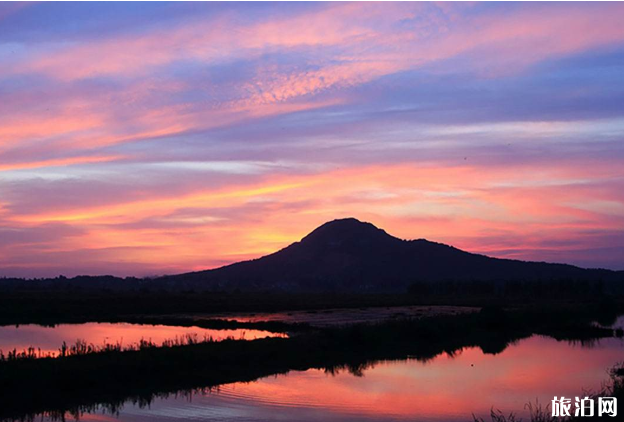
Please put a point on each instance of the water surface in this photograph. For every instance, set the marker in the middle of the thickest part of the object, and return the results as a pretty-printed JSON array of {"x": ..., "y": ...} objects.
[
  {"x": 50, "y": 339},
  {"x": 446, "y": 388}
]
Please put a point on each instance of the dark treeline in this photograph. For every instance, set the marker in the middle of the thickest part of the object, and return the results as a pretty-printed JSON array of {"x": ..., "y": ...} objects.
[
  {"x": 104, "y": 282},
  {"x": 68, "y": 303},
  {"x": 32, "y": 386},
  {"x": 58, "y": 306},
  {"x": 612, "y": 283},
  {"x": 520, "y": 290}
]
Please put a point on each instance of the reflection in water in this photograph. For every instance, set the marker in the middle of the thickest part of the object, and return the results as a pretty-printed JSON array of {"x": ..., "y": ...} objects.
[
  {"x": 446, "y": 388},
  {"x": 50, "y": 339}
]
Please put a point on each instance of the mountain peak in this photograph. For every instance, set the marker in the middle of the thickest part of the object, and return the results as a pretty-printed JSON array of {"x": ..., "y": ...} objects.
[
  {"x": 346, "y": 230},
  {"x": 348, "y": 223},
  {"x": 354, "y": 256}
]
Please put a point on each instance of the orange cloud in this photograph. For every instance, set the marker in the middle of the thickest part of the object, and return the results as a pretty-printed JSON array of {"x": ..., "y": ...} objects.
[
  {"x": 460, "y": 205},
  {"x": 25, "y": 127}
]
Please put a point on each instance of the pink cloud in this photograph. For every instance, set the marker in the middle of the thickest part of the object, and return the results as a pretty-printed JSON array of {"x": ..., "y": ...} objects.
[
  {"x": 366, "y": 48},
  {"x": 462, "y": 205}
]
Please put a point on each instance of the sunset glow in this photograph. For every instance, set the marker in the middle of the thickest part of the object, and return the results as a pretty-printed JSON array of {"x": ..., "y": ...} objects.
[{"x": 157, "y": 138}]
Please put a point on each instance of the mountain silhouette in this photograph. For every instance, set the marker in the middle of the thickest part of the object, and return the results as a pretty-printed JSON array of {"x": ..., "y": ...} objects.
[{"x": 350, "y": 255}]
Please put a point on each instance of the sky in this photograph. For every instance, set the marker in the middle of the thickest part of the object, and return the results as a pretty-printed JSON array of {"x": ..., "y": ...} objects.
[{"x": 155, "y": 138}]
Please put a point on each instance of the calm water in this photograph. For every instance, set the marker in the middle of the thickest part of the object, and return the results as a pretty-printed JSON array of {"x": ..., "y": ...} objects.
[
  {"x": 447, "y": 388},
  {"x": 50, "y": 339}
]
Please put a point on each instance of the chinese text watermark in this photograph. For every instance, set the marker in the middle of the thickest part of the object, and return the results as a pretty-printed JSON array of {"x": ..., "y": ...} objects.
[{"x": 581, "y": 407}]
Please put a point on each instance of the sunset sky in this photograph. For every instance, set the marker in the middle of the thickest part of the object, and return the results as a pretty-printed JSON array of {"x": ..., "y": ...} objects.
[{"x": 152, "y": 138}]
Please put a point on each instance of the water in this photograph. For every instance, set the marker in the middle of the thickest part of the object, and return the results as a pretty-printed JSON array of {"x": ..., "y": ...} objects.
[
  {"x": 50, "y": 339},
  {"x": 446, "y": 388}
]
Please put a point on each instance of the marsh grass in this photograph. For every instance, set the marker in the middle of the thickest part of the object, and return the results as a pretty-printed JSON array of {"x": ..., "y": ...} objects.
[{"x": 82, "y": 348}]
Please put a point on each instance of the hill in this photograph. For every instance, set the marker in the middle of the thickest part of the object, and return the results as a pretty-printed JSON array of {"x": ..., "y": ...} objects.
[{"x": 348, "y": 255}]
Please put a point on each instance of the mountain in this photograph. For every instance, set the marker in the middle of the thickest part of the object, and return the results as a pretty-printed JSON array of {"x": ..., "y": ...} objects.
[{"x": 350, "y": 255}]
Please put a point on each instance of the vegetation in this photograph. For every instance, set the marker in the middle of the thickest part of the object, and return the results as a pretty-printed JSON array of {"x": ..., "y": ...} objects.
[
  {"x": 85, "y": 378},
  {"x": 81, "y": 348},
  {"x": 85, "y": 375},
  {"x": 76, "y": 304},
  {"x": 66, "y": 306}
]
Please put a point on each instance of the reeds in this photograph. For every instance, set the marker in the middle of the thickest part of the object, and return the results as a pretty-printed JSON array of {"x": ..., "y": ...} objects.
[
  {"x": 82, "y": 348},
  {"x": 26, "y": 354}
]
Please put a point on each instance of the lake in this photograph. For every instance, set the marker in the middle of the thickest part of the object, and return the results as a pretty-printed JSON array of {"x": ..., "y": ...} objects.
[
  {"x": 50, "y": 339},
  {"x": 446, "y": 388}
]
